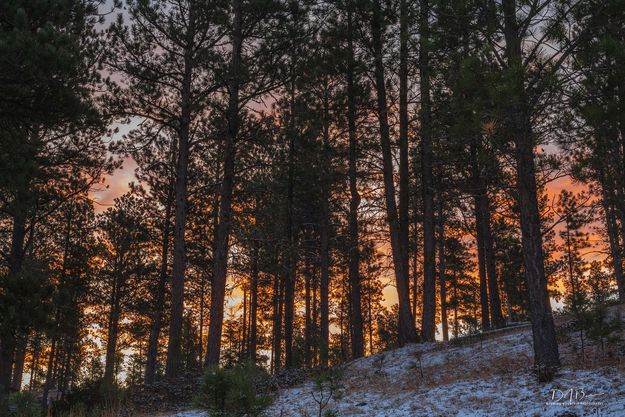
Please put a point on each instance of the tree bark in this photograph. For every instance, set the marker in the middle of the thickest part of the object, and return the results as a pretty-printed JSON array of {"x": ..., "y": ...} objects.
[
  {"x": 543, "y": 328},
  {"x": 407, "y": 332},
  {"x": 220, "y": 268},
  {"x": 112, "y": 331},
  {"x": 613, "y": 237},
  {"x": 324, "y": 283},
  {"x": 18, "y": 365},
  {"x": 49, "y": 373},
  {"x": 415, "y": 271},
  {"x": 479, "y": 237},
  {"x": 157, "y": 317},
  {"x": 428, "y": 326},
  {"x": 174, "y": 359},
  {"x": 58, "y": 315},
  {"x": 307, "y": 314},
  {"x": 404, "y": 173},
  {"x": 277, "y": 322},
  {"x": 496, "y": 315},
  {"x": 441, "y": 271},
  {"x": 254, "y": 304},
  {"x": 291, "y": 235},
  {"x": 485, "y": 236}
]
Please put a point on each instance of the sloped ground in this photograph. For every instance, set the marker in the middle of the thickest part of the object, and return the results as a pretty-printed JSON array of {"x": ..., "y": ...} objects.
[
  {"x": 484, "y": 378},
  {"x": 480, "y": 377}
]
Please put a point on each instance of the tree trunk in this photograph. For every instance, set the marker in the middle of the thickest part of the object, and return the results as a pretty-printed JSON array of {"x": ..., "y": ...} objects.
[
  {"x": 289, "y": 303},
  {"x": 200, "y": 362},
  {"x": 34, "y": 363},
  {"x": 479, "y": 237},
  {"x": 307, "y": 315},
  {"x": 112, "y": 333},
  {"x": 488, "y": 270},
  {"x": 404, "y": 174},
  {"x": 277, "y": 322},
  {"x": 407, "y": 332},
  {"x": 7, "y": 349},
  {"x": 484, "y": 310},
  {"x": 324, "y": 283},
  {"x": 157, "y": 317},
  {"x": 174, "y": 359},
  {"x": 315, "y": 318},
  {"x": 428, "y": 326},
  {"x": 15, "y": 259},
  {"x": 243, "y": 345},
  {"x": 415, "y": 272},
  {"x": 49, "y": 373},
  {"x": 291, "y": 262},
  {"x": 441, "y": 271},
  {"x": 58, "y": 315},
  {"x": 496, "y": 315},
  {"x": 254, "y": 303},
  {"x": 18, "y": 365},
  {"x": 613, "y": 237},
  {"x": 220, "y": 268},
  {"x": 543, "y": 329}
]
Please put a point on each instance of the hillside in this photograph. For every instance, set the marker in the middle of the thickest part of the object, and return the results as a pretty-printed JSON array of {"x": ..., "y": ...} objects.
[{"x": 488, "y": 375}]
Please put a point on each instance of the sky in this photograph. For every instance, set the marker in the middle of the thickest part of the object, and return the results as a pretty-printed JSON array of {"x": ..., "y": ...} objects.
[{"x": 118, "y": 184}]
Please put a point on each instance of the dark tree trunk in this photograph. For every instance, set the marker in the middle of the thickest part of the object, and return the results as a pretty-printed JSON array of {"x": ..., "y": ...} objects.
[
  {"x": 441, "y": 271},
  {"x": 613, "y": 237},
  {"x": 315, "y": 318},
  {"x": 307, "y": 314},
  {"x": 324, "y": 250},
  {"x": 254, "y": 303},
  {"x": 289, "y": 304},
  {"x": 543, "y": 328},
  {"x": 15, "y": 259},
  {"x": 7, "y": 349},
  {"x": 18, "y": 365},
  {"x": 174, "y": 359},
  {"x": 488, "y": 268},
  {"x": 277, "y": 322},
  {"x": 34, "y": 362},
  {"x": 243, "y": 345},
  {"x": 415, "y": 272},
  {"x": 324, "y": 284},
  {"x": 404, "y": 173},
  {"x": 222, "y": 237},
  {"x": 291, "y": 235},
  {"x": 157, "y": 316},
  {"x": 496, "y": 315},
  {"x": 407, "y": 332},
  {"x": 479, "y": 236},
  {"x": 49, "y": 373},
  {"x": 428, "y": 326},
  {"x": 58, "y": 315},
  {"x": 200, "y": 362},
  {"x": 481, "y": 262},
  {"x": 112, "y": 332}
]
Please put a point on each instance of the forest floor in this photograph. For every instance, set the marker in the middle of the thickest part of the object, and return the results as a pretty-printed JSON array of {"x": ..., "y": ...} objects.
[{"x": 488, "y": 375}]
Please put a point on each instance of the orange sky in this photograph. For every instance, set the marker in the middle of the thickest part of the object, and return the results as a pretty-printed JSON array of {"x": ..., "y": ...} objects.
[{"x": 117, "y": 184}]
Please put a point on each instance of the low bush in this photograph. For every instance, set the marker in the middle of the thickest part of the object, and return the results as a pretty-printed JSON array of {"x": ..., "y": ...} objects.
[
  {"x": 24, "y": 404},
  {"x": 241, "y": 390}
]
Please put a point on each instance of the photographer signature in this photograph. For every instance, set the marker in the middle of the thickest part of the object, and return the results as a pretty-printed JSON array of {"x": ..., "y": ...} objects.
[{"x": 573, "y": 396}]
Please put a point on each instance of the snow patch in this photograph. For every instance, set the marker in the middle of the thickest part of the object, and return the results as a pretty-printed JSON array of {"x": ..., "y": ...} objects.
[{"x": 480, "y": 378}]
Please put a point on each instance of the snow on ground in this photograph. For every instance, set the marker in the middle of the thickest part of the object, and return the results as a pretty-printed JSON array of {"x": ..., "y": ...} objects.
[
  {"x": 480, "y": 378},
  {"x": 487, "y": 378}
]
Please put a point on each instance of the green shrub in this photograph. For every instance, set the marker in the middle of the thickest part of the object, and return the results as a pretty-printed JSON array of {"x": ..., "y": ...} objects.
[
  {"x": 24, "y": 404},
  {"x": 327, "y": 386},
  {"x": 599, "y": 326},
  {"x": 242, "y": 390}
]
